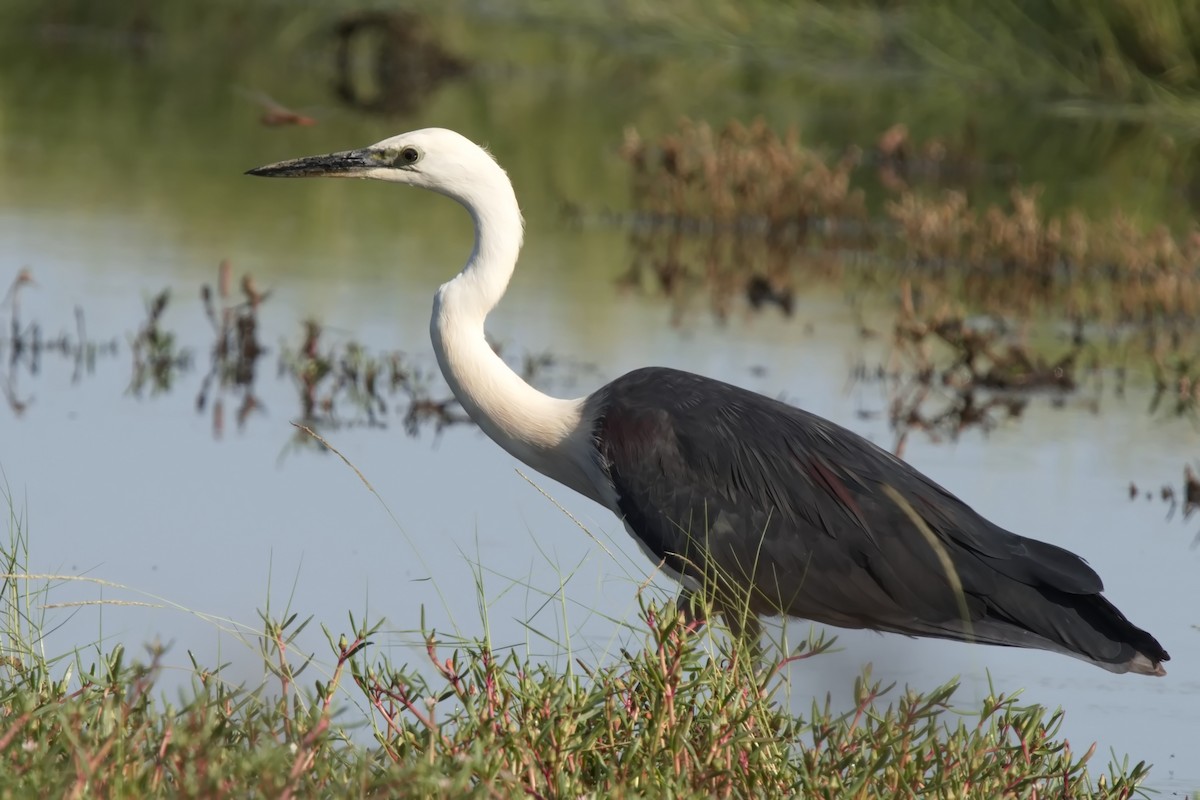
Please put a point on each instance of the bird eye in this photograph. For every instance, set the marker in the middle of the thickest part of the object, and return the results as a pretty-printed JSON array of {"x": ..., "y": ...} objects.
[{"x": 408, "y": 155}]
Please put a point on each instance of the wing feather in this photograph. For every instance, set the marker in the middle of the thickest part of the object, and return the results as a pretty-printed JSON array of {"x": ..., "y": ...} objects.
[{"x": 716, "y": 479}]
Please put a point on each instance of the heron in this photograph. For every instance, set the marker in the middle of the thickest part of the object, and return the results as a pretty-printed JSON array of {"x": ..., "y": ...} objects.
[{"x": 768, "y": 509}]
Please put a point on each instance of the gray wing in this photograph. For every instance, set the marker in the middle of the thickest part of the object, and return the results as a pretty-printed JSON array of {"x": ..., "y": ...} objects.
[{"x": 719, "y": 481}]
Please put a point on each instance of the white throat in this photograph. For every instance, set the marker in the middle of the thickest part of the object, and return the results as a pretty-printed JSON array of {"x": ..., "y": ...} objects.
[{"x": 550, "y": 434}]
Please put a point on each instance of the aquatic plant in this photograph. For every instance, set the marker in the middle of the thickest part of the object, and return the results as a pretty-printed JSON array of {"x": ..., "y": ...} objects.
[
  {"x": 157, "y": 357},
  {"x": 750, "y": 212}
]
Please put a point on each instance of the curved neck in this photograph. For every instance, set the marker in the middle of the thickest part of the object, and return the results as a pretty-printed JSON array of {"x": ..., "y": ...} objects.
[{"x": 547, "y": 433}]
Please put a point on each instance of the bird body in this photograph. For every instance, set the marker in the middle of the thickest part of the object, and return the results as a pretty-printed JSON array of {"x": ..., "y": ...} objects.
[
  {"x": 775, "y": 510},
  {"x": 727, "y": 485}
]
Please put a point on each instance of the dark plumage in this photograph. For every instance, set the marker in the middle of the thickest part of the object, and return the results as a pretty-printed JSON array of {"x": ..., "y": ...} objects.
[{"x": 736, "y": 490}]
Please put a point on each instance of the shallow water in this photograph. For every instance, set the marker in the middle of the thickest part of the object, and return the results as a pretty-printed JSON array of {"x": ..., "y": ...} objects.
[{"x": 139, "y": 492}]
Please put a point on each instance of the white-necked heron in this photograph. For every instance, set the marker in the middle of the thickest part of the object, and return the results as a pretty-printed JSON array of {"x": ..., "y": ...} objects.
[{"x": 777, "y": 509}]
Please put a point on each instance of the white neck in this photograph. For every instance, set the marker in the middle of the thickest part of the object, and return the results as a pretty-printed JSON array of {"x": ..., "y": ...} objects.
[{"x": 550, "y": 434}]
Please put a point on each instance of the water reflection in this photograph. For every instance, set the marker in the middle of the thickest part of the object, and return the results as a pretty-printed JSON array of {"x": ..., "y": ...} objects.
[
  {"x": 328, "y": 379},
  {"x": 27, "y": 346},
  {"x": 944, "y": 416},
  {"x": 157, "y": 357},
  {"x": 952, "y": 162},
  {"x": 338, "y": 384},
  {"x": 1184, "y": 502},
  {"x": 945, "y": 374},
  {"x": 389, "y": 62},
  {"x": 236, "y": 350},
  {"x": 746, "y": 211},
  {"x": 1176, "y": 383}
]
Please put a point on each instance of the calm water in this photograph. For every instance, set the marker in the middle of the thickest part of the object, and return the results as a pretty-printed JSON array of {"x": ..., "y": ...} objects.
[{"x": 132, "y": 183}]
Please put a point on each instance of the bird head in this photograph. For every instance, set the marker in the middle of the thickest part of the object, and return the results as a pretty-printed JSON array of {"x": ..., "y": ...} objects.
[{"x": 434, "y": 158}]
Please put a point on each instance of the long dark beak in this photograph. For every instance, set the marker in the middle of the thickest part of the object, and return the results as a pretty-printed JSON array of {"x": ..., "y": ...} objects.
[{"x": 347, "y": 164}]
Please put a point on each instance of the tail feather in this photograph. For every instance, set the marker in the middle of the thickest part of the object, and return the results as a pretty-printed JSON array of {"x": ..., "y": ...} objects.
[
  {"x": 1054, "y": 595},
  {"x": 1087, "y": 626}
]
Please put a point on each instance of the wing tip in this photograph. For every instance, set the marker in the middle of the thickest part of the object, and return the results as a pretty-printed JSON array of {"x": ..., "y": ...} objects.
[{"x": 1141, "y": 664}]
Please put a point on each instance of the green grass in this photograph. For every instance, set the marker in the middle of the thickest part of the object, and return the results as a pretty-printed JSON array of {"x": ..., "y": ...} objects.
[{"x": 676, "y": 714}]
